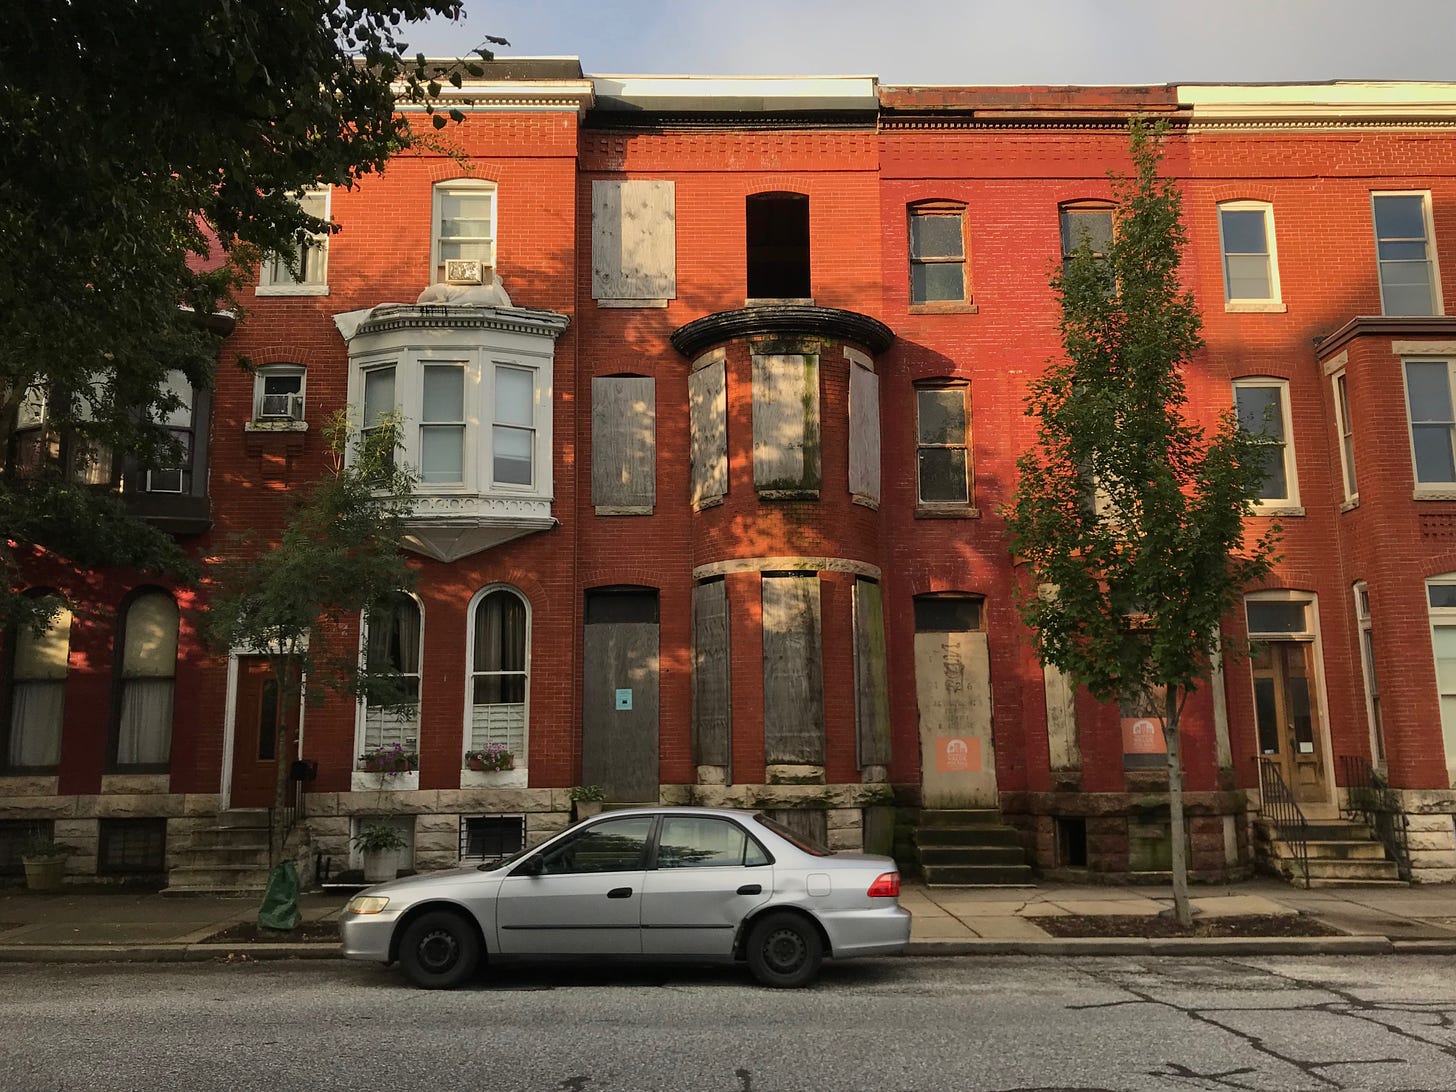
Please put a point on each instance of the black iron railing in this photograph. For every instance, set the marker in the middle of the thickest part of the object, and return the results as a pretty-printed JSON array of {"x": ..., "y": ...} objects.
[
  {"x": 1277, "y": 804},
  {"x": 1370, "y": 799}
]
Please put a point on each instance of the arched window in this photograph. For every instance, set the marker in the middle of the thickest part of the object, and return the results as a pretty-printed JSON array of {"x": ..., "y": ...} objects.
[
  {"x": 393, "y": 640},
  {"x": 38, "y": 694},
  {"x": 148, "y": 665},
  {"x": 499, "y": 671}
]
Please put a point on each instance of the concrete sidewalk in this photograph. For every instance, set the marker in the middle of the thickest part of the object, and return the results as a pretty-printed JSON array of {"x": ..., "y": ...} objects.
[{"x": 90, "y": 926}]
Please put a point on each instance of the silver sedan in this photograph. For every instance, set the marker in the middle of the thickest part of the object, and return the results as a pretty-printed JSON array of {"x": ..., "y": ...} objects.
[{"x": 697, "y": 884}]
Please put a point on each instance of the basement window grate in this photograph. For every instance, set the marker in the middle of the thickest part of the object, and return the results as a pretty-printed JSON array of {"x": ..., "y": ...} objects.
[
  {"x": 129, "y": 847},
  {"x": 491, "y": 837},
  {"x": 14, "y": 834}
]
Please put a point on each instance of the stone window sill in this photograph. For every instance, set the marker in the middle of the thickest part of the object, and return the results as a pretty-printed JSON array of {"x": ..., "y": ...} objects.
[
  {"x": 1434, "y": 493},
  {"x": 275, "y": 425},
  {"x": 947, "y": 511},
  {"x": 1351, "y": 504},
  {"x": 945, "y": 307},
  {"x": 1255, "y": 307},
  {"x": 1278, "y": 511},
  {"x": 623, "y": 509},
  {"x": 291, "y": 290},
  {"x": 632, "y": 303}
]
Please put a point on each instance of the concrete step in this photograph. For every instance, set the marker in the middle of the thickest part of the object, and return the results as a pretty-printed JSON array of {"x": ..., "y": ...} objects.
[
  {"x": 1340, "y": 851},
  {"x": 960, "y": 817},
  {"x": 1339, "y": 871},
  {"x": 978, "y": 835},
  {"x": 1325, "y": 831},
  {"x": 206, "y": 856},
  {"x": 219, "y": 880},
  {"x": 935, "y": 856},
  {"x": 243, "y": 817},
  {"x": 223, "y": 837},
  {"x": 978, "y": 875},
  {"x": 1318, "y": 881}
]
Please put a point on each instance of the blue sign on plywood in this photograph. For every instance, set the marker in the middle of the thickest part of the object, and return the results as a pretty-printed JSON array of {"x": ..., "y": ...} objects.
[{"x": 624, "y": 699}]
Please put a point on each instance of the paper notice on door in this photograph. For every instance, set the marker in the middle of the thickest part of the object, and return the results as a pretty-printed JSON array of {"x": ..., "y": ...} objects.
[{"x": 957, "y": 754}]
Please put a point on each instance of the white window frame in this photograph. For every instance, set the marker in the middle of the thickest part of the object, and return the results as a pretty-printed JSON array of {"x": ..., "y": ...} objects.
[
  {"x": 1274, "y": 302},
  {"x": 1288, "y": 504},
  {"x": 1345, "y": 426},
  {"x": 1442, "y": 617},
  {"x": 1433, "y": 490},
  {"x": 521, "y": 769},
  {"x": 274, "y": 371},
  {"x": 1438, "y": 306},
  {"x": 361, "y": 707},
  {"x": 1370, "y": 678},
  {"x": 461, "y": 185},
  {"x": 274, "y": 278}
]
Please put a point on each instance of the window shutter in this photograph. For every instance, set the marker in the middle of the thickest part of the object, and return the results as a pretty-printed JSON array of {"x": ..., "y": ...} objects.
[
  {"x": 708, "y": 423},
  {"x": 871, "y": 680},
  {"x": 712, "y": 736},
  {"x": 624, "y": 443},
  {"x": 634, "y": 240}
]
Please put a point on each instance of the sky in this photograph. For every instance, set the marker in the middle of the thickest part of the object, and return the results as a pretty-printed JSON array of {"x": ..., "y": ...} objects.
[{"x": 975, "y": 41}]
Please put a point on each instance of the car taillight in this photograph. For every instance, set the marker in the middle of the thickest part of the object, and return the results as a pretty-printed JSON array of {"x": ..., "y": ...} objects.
[{"x": 886, "y": 886}]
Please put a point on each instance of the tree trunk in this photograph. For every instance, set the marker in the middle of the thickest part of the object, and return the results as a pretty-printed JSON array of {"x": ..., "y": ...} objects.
[
  {"x": 1181, "y": 908},
  {"x": 283, "y": 756}
]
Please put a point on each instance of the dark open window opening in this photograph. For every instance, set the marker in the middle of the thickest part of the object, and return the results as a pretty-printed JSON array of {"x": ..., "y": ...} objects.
[
  {"x": 947, "y": 613},
  {"x": 778, "y": 246},
  {"x": 625, "y": 604},
  {"x": 132, "y": 846},
  {"x": 1071, "y": 841}
]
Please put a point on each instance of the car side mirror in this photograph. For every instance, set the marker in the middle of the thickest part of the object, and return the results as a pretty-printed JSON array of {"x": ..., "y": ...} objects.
[{"x": 531, "y": 866}]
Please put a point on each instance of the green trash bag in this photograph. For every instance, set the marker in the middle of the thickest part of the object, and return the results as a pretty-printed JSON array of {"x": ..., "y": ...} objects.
[{"x": 280, "y": 902}]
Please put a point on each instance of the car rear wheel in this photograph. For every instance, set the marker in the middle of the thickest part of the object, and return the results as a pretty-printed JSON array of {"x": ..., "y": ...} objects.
[
  {"x": 784, "y": 951},
  {"x": 439, "y": 950}
]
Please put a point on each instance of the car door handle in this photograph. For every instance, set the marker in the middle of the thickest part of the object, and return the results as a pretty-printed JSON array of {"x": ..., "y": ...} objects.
[
  {"x": 620, "y": 893},
  {"x": 751, "y": 889}
]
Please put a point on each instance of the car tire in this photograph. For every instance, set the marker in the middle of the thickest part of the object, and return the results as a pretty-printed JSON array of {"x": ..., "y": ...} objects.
[
  {"x": 439, "y": 950},
  {"x": 784, "y": 951}
]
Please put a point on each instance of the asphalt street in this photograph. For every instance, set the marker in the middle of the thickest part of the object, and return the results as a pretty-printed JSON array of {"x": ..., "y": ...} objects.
[{"x": 1022, "y": 1023}]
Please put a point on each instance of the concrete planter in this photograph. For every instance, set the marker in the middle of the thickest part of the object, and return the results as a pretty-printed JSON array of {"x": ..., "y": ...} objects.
[
  {"x": 381, "y": 865},
  {"x": 585, "y": 809},
  {"x": 44, "y": 873}
]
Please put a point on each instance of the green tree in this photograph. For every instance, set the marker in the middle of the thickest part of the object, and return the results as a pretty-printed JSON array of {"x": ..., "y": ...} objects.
[
  {"x": 1129, "y": 517},
  {"x": 337, "y": 555},
  {"x": 150, "y": 151}
]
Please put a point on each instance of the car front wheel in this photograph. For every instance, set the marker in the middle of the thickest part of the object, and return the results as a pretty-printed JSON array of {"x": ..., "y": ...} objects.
[
  {"x": 439, "y": 950},
  {"x": 784, "y": 951}
]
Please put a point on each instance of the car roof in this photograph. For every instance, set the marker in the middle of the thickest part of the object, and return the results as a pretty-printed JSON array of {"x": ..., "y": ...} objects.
[{"x": 680, "y": 809}]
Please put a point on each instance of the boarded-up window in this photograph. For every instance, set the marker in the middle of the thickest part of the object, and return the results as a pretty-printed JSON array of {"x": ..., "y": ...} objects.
[
  {"x": 786, "y": 425},
  {"x": 624, "y": 444},
  {"x": 708, "y": 423},
  {"x": 634, "y": 241},
  {"x": 712, "y": 713},
  {"x": 864, "y": 434},
  {"x": 871, "y": 680},
  {"x": 793, "y": 672},
  {"x": 1061, "y": 703}
]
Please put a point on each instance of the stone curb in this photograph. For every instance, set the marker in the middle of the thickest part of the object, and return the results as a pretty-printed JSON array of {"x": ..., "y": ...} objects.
[
  {"x": 162, "y": 953},
  {"x": 1200, "y": 946}
]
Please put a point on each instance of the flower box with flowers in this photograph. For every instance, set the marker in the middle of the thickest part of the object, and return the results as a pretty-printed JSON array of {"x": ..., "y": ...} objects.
[
  {"x": 390, "y": 766},
  {"x": 493, "y": 757}
]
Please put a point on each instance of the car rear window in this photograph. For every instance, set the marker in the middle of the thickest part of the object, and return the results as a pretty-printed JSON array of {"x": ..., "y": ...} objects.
[{"x": 793, "y": 837}]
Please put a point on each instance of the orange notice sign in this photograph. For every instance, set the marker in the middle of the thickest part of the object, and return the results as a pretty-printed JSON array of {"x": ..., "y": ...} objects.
[
  {"x": 957, "y": 754},
  {"x": 1142, "y": 736}
]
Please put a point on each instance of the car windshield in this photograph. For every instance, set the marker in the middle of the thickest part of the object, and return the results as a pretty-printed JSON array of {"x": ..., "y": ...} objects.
[{"x": 793, "y": 837}]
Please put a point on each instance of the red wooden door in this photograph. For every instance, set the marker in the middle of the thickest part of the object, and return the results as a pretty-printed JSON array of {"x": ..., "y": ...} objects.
[{"x": 255, "y": 735}]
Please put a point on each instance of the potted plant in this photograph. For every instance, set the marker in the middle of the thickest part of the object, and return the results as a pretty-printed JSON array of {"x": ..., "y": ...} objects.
[
  {"x": 389, "y": 760},
  {"x": 45, "y": 861},
  {"x": 380, "y": 844},
  {"x": 493, "y": 757},
  {"x": 586, "y": 801}
]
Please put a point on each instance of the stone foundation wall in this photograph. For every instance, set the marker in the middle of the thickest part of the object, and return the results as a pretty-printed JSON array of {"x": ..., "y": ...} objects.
[{"x": 1431, "y": 833}]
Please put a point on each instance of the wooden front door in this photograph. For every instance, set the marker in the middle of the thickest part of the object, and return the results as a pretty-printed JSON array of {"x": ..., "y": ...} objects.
[
  {"x": 1286, "y": 711},
  {"x": 255, "y": 735}
]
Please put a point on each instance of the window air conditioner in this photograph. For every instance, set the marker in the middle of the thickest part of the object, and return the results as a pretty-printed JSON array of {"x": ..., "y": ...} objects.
[
  {"x": 463, "y": 271},
  {"x": 283, "y": 405}
]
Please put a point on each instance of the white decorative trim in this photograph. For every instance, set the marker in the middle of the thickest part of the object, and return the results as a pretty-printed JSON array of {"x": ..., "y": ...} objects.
[
  {"x": 652, "y": 303},
  {"x": 712, "y": 356},
  {"x": 291, "y": 290},
  {"x": 855, "y": 356},
  {"x": 409, "y": 781},
  {"x": 495, "y": 779},
  {"x": 1423, "y": 348},
  {"x": 1254, "y": 307},
  {"x": 273, "y": 425},
  {"x": 1336, "y": 362},
  {"x": 1434, "y": 493}
]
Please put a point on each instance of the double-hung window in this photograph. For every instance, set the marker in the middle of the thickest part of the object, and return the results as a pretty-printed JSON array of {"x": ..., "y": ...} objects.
[
  {"x": 938, "y": 254},
  {"x": 943, "y": 428},
  {"x": 278, "y": 393},
  {"x": 1250, "y": 265},
  {"x": 1428, "y": 389},
  {"x": 442, "y": 425},
  {"x": 1441, "y": 598},
  {"x": 465, "y": 225},
  {"x": 173, "y": 473},
  {"x": 1263, "y": 411},
  {"x": 303, "y": 271},
  {"x": 513, "y": 432},
  {"x": 1090, "y": 224},
  {"x": 1340, "y": 383},
  {"x": 1406, "y": 254}
]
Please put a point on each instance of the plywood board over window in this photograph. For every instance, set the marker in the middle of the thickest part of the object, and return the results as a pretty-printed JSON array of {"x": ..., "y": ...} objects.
[
  {"x": 624, "y": 445},
  {"x": 871, "y": 680},
  {"x": 708, "y": 425},
  {"x": 864, "y": 435},
  {"x": 634, "y": 243},
  {"x": 786, "y": 426},
  {"x": 712, "y": 715},
  {"x": 793, "y": 670}
]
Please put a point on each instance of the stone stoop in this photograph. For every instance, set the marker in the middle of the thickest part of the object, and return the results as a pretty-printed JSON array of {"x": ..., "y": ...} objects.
[
  {"x": 1342, "y": 853},
  {"x": 227, "y": 856},
  {"x": 970, "y": 848}
]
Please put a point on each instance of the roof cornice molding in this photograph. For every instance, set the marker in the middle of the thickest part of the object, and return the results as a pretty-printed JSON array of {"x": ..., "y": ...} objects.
[{"x": 576, "y": 96}]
